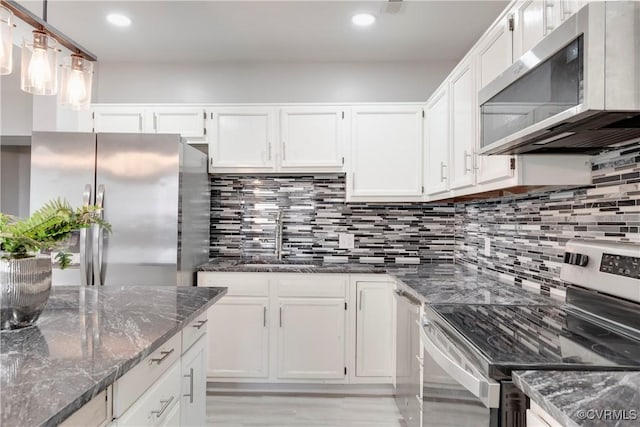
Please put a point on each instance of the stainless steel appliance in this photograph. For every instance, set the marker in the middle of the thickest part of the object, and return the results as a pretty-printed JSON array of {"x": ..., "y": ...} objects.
[
  {"x": 471, "y": 350},
  {"x": 577, "y": 91},
  {"x": 408, "y": 358},
  {"x": 154, "y": 191}
]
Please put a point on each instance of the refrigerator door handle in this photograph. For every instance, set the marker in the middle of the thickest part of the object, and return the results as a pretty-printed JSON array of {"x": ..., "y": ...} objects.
[
  {"x": 97, "y": 240},
  {"x": 85, "y": 273}
]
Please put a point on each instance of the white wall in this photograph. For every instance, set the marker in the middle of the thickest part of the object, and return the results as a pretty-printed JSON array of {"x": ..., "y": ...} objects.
[
  {"x": 16, "y": 106},
  {"x": 268, "y": 82}
]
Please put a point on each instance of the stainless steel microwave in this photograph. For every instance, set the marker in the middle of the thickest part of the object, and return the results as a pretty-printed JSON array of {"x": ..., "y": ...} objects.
[{"x": 576, "y": 91}]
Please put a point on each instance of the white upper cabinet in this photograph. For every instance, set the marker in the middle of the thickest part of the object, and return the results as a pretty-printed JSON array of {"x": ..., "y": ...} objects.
[
  {"x": 312, "y": 137},
  {"x": 534, "y": 19},
  {"x": 386, "y": 153},
  {"x": 118, "y": 119},
  {"x": 463, "y": 125},
  {"x": 437, "y": 142},
  {"x": 188, "y": 122},
  {"x": 494, "y": 55},
  {"x": 242, "y": 138}
]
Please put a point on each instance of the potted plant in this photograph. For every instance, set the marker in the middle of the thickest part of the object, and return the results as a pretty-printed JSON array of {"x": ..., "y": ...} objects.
[{"x": 25, "y": 275}]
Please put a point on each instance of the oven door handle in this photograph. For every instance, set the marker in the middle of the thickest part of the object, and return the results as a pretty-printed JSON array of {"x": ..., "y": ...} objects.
[{"x": 487, "y": 390}]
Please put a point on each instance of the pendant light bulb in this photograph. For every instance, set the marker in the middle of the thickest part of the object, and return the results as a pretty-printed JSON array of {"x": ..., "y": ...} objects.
[
  {"x": 6, "y": 41},
  {"x": 77, "y": 74},
  {"x": 39, "y": 71}
]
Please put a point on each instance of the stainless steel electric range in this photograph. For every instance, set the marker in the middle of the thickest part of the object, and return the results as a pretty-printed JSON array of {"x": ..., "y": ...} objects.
[{"x": 471, "y": 350}]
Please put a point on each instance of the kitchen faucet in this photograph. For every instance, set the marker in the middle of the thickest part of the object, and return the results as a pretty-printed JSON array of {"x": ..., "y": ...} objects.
[{"x": 279, "y": 223}]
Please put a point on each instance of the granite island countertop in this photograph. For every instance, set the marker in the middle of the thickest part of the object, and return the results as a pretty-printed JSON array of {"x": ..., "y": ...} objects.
[
  {"x": 84, "y": 340},
  {"x": 579, "y": 398},
  {"x": 435, "y": 283}
]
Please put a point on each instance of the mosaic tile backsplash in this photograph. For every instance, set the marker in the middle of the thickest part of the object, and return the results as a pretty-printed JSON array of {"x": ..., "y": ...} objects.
[
  {"x": 244, "y": 211},
  {"x": 528, "y": 232}
]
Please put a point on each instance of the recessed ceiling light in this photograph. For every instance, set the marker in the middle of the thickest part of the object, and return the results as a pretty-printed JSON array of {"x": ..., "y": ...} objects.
[
  {"x": 118, "y": 20},
  {"x": 363, "y": 19}
]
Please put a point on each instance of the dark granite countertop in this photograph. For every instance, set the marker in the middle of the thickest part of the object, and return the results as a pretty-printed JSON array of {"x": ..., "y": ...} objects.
[
  {"x": 84, "y": 340},
  {"x": 437, "y": 283},
  {"x": 580, "y": 398}
]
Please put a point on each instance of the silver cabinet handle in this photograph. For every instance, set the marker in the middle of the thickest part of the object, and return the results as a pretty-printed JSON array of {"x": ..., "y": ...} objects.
[
  {"x": 353, "y": 181},
  {"x": 269, "y": 151},
  {"x": 442, "y": 168},
  {"x": 155, "y": 122},
  {"x": 548, "y": 7},
  {"x": 159, "y": 360},
  {"x": 85, "y": 274},
  {"x": 97, "y": 239},
  {"x": 360, "y": 301},
  {"x": 466, "y": 165},
  {"x": 190, "y": 376},
  {"x": 200, "y": 323},
  {"x": 281, "y": 317},
  {"x": 420, "y": 359},
  {"x": 412, "y": 300},
  {"x": 164, "y": 404},
  {"x": 284, "y": 151},
  {"x": 140, "y": 122},
  {"x": 264, "y": 316}
]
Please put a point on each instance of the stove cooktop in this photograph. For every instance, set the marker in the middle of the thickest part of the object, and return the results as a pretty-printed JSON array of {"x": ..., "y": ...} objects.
[{"x": 506, "y": 338}]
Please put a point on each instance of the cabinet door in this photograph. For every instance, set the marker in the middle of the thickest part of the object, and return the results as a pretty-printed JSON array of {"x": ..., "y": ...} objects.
[
  {"x": 188, "y": 122},
  {"x": 238, "y": 338},
  {"x": 374, "y": 329},
  {"x": 311, "y": 338},
  {"x": 242, "y": 138},
  {"x": 118, "y": 119},
  {"x": 437, "y": 143},
  {"x": 386, "y": 152},
  {"x": 463, "y": 126},
  {"x": 495, "y": 55},
  {"x": 533, "y": 21},
  {"x": 408, "y": 352},
  {"x": 193, "y": 406},
  {"x": 312, "y": 137}
]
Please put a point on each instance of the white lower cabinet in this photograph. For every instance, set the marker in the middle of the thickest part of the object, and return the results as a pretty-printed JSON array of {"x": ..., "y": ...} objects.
[
  {"x": 311, "y": 338},
  {"x": 193, "y": 405},
  {"x": 293, "y": 328},
  {"x": 239, "y": 338},
  {"x": 374, "y": 329},
  {"x": 168, "y": 388}
]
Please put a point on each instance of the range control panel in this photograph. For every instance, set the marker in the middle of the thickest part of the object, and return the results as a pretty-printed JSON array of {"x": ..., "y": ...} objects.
[
  {"x": 608, "y": 267},
  {"x": 628, "y": 266}
]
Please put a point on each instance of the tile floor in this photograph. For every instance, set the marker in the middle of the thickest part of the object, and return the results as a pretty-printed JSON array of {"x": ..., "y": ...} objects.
[{"x": 306, "y": 411}]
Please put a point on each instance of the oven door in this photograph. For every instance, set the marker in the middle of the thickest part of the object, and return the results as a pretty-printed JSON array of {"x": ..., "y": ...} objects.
[{"x": 454, "y": 392}]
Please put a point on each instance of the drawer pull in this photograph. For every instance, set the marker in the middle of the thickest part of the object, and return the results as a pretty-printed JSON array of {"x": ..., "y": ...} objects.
[
  {"x": 164, "y": 404},
  {"x": 190, "y": 376},
  {"x": 159, "y": 360},
  {"x": 200, "y": 324}
]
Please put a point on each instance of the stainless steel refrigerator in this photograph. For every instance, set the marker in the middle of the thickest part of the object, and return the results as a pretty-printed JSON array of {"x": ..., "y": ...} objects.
[{"x": 154, "y": 190}]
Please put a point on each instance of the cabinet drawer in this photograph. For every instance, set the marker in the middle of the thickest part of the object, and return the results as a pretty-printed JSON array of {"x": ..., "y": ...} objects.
[
  {"x": 96, "y": 412},
  {"x": 238, "y": 284},
  {"x": 316, "y": 285},
  {"x": 133, "y": 384},
  {"x": 156, "y": 405},
  {"x": 193, "y": 331}
]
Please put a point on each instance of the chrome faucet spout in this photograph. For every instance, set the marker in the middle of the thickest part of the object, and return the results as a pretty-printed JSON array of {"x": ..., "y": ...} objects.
[{"x": 278, "y": 245}]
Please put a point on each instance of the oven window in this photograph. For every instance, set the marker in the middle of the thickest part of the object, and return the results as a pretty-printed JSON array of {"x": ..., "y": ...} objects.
[{"x": 554, "y": 86}]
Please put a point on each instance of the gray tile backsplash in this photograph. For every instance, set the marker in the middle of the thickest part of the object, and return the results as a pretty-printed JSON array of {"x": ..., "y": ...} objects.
[
  {"x": 244, "y": 209},
  {"x": 527, "y": 232}
]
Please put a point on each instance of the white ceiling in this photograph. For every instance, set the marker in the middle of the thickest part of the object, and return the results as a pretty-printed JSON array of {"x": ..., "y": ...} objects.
[{"x": 258, "y": 31}]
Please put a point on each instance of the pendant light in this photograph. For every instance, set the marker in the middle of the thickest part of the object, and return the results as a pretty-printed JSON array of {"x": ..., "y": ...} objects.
[
  {"x": 39, "y": 68},
  {"x": 6, "y": 41},
  {"x": 75, "y": 89}
]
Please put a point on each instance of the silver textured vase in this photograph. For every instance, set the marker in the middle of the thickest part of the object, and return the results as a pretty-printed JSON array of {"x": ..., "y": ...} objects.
[{"x": 25, "y": 285}]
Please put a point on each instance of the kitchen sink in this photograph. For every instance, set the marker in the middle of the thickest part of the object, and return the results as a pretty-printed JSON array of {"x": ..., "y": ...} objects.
[{"x": 280, "y": 265}]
